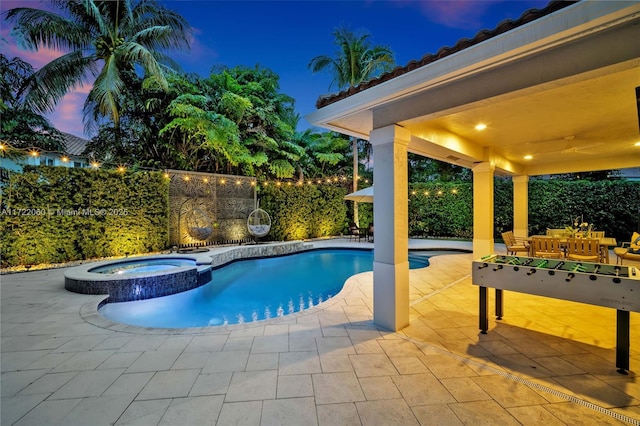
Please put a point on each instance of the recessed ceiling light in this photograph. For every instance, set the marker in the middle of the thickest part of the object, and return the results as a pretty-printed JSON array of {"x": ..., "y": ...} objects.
[
  {"x": 637, "y": 143},
  {"x": 481, "y": 126},
  {"x": 528, "y": 157}
]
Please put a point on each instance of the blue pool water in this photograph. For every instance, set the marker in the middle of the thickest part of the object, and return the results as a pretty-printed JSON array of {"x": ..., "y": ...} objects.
[
  {"x": 252, "y": 290},
  {"x": 140, "y": 266}
]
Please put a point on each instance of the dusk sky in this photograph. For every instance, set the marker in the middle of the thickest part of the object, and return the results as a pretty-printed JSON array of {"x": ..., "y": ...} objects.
[{"x": 285, "y": 35}]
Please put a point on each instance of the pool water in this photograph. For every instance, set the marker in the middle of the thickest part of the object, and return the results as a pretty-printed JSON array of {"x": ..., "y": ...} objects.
[
  {"x": 141, "y": 266},
  {"x": 252, "y": 290}
]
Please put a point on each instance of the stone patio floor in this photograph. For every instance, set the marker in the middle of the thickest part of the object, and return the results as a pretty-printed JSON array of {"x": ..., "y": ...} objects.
[{"x": 546, "y": 362}]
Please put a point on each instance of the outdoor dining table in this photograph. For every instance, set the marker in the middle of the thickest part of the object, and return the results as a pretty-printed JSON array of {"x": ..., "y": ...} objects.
[{"x": 605, "y": 242}]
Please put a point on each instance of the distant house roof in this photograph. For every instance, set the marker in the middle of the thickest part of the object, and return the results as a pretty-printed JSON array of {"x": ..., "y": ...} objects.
[
  {"x": 504, "y": 26},
  {"x": 74, "y": 144}
]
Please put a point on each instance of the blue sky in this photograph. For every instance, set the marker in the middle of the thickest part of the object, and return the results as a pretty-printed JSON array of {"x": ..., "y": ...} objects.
[{"x": 285, "y": 35}]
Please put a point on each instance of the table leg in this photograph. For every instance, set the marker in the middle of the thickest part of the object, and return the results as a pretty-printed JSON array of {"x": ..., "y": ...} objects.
[
  {"x": 622, "y": 341},
  {"x": 484, "y": 315},
  {"x": 499, "y": 303}
]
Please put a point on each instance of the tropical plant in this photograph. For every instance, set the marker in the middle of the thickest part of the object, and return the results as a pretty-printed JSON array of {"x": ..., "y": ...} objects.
[
  {"x": 103, "y": 39},
  {"x": 324, "y": 153},
  {"x": 251, "y": 98},
  {"x": 21, "y": 127},
  {"x": 355, "y": 61}
]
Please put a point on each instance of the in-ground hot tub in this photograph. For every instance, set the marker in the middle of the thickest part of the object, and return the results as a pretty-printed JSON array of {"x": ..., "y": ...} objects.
[{"x": 140, "y": 278}]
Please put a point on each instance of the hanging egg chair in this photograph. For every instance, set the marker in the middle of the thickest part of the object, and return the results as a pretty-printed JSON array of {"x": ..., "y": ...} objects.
[{"x": 259, "y": 223}]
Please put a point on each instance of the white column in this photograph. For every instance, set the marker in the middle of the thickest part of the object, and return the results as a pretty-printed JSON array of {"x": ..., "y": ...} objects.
[
  {"x": 483, "y": 205},
  {"x": 391, "y": 218},
  {"x": 521, "y": 206}
]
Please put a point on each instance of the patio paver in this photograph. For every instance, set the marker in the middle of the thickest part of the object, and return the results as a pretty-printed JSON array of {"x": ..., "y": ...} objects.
[{"x": 546, "y": 362}]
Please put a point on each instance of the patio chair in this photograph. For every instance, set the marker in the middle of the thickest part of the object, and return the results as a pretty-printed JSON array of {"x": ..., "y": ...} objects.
[
  {"x": 514, "y": 246},
  {"x": 355, "y": 232},
  {"x": 584, "y": 249},
  {"x": 370, "y": 233},
  {"x": 557, "y": 233},
  {"x": 547, "y": 247},
  {"x": 604, "y": 250},
  {"x": 630, "y": 250}
]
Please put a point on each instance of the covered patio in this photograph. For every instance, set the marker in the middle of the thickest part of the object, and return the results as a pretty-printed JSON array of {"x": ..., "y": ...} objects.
[{"x": 556, "y": 91}]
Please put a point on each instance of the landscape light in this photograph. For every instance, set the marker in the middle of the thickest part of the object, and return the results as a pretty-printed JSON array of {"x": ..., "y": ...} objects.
[
  {"x": 121, "y": 169},
  {"x": 95, "y": 164},
  {"x": 34, "y": 153},
  {"x": 64, "y": 159}
]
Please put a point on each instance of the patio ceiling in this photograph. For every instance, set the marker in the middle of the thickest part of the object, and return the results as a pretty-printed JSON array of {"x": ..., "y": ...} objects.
[{"x": 563, "y": 89}]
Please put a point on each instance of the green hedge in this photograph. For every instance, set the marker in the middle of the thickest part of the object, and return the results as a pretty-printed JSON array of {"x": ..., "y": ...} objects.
[
  {"x": 56, "y": 214},
  {"x": 441, "y": 209},
  {"x": 611, "y": 206},
  {"x": 308, "y": 211}
]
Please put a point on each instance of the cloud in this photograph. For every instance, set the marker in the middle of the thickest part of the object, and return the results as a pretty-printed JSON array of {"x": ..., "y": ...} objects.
[
  {"x": 67, "y": 116},
  {"x": 198, "y": 51},
  {"x": 452, "y": 13}
]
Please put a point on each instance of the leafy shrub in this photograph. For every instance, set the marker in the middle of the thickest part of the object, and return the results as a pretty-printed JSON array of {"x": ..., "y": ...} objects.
[{"x": 58, "y": 214}]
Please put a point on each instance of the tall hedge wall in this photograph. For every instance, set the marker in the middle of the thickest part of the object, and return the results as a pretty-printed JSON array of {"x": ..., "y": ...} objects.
[
  {"x": 611, "y": 206},
  {"x": 56, "y": 214},
  {"x": 308, "y": 211},
  {"x": 53, "y": 214}
]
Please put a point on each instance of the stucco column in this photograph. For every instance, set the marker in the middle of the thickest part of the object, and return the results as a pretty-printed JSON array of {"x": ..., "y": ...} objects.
[
  {"x": 521, "y": 206},
  {"x": 483, "y": 209},
  {"x": 391, "y": 219}
]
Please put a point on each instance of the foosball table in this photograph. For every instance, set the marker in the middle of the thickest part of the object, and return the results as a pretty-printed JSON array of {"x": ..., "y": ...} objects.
[{"x": 611, "y": 286}]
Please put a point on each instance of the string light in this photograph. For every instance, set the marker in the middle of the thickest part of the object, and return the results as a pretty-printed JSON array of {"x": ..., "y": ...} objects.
[{"x": 64, "y": 158}]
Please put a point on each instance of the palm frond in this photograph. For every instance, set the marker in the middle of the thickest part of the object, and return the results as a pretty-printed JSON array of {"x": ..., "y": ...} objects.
[
  {"x": 34, "y": 27},
  {"x": 51, "y": 82}
]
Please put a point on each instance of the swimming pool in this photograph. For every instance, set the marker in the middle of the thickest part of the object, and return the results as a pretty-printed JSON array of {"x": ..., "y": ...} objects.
[{"x": 252, "y": 290}]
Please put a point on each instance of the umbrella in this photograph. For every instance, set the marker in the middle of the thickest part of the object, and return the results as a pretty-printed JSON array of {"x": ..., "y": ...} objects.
[{"x": 361, "y": 196}]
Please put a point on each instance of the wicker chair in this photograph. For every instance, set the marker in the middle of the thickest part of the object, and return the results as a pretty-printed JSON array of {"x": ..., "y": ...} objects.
[
  {"x": 514, "y": 246},
  {"x": 584, "y": 249},
  {"x": 547, "y": 247}
]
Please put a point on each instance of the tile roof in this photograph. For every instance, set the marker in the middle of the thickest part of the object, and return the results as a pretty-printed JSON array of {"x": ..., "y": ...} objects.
[
  {"x": 74, "y": 144},
  {"x": 503, "y": 27}
]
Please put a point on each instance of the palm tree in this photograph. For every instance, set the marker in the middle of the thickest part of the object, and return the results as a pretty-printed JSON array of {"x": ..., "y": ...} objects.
[
  {"x": 21, "y": 127},
  {"x": 105, "y": 40},
  {"x": 355, "y": 61}
]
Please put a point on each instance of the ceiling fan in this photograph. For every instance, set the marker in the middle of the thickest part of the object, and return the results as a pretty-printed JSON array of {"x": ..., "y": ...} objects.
[{"x": 570, "y": 147}]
